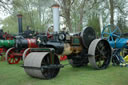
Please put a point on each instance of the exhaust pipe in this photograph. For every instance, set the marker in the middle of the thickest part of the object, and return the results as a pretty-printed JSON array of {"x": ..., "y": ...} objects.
[
  {"x": 20, "y": 23},
  {"x": 55, "y": 8},
  {"x": 101, "y": 23}
]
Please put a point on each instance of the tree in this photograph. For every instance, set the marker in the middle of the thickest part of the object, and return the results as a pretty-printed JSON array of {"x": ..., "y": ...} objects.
[
  {"x": 116, "y": 5},
  {"x": 10, "y": 24},
  {"x": 81, "y": 14},
  {"x": 93, "y": 21},
  {"x": 73, "y": 12},
  {"x": 36, "y": 13},
  {"x": 121, "y": 23},
  {"x": 111, "y": 12},
  {"x": 76, "y": 13},
  {"x": 66, "y": 8},
  {"x": 4, "y": 5}
]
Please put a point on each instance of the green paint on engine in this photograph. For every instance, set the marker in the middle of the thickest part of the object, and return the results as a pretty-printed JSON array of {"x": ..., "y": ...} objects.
[
  {"x": 7, "y": 43},
  {"x": 76, "y": 41}
]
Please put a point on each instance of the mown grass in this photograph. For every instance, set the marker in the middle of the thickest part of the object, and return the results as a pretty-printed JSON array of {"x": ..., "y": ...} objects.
[{"x": 15, "y": 75}]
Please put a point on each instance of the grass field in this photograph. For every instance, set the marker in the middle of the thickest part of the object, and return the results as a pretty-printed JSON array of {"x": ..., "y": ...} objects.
[{"x": 15, "y": 75}]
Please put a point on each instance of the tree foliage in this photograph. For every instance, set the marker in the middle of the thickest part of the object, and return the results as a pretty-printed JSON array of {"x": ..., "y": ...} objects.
[
  {"x": 93, "y": 21},
  {"x": 75, "y": 14},
  {"x": 36, "y": 13}
]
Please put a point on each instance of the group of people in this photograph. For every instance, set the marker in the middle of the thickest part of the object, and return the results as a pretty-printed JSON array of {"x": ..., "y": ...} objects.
[
  {"x": 51, "y": 29},
  {"x": 5, "y": 35},
  {"x": 28, "y": 33}
]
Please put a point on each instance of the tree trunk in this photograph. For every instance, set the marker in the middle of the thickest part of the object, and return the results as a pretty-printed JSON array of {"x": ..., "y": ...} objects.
[
  {"x": 68, "y": 21},
  {"x": 111, "y": 12},
  {"x": 81, "y": 15},
  {"x": 39, "y": 10},
  {"x": 66, "y": 7}
]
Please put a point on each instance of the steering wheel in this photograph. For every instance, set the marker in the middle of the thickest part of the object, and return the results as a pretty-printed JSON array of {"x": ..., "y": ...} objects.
[{"x": 111, "y": 33}]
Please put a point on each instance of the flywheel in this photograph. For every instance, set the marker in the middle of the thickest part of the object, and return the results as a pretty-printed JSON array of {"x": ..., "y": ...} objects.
[{"x": 88, "y": 35}]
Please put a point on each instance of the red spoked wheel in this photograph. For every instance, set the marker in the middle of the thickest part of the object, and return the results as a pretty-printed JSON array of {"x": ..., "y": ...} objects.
[
  {"x": 25, "y": 53},
  {"x": 2, "y": 54},
  {"x": 11, "y": 58},
  {"x": 2, "y": 58}
]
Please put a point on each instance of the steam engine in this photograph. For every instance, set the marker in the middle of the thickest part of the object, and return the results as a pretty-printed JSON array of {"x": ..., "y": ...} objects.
[
  {"x": 80, "y": 48},
  {"x": 17, "y": 50},
  {"x": 18, "y": 46}
]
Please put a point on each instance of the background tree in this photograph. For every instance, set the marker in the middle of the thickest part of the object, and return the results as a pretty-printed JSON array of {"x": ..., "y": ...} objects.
[
  {"x": 36, "y": 13},
  {"x": 75, "y": 14},
  {"x": 66, "y": 8}
]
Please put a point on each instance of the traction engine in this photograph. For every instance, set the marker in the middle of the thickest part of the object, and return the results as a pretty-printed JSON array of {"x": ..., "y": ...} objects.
[
  {"x": 4, "y": 45},
  {"x": 19, "y": 49},
  {"x": 15, "y": 48},
  {"x": 5, "y": 38},
  {"x": 80, "y": 48}
]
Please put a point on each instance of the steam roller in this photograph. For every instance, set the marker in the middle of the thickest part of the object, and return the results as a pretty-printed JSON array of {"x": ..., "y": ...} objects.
[
  {"x": 19, "y": 47},
  {"x": 80, "y": 48}
]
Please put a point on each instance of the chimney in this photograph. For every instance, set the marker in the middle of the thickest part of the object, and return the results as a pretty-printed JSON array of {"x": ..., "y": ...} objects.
[
  {"x": 55, "y": 8},
  {"x": 101, "y": 23},
  {"x": 19, "y": 23}
]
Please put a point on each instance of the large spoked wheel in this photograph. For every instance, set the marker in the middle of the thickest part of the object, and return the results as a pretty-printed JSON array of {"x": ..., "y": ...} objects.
[
  {"x": 25, "y": 53},
  {"x": 101, "y": 54},
  {"x": 111, "y": 33},
  {"x": 2, "y": 54},
  {"x": 39, "y": 60},
  {"x": 11, "y": 59}
]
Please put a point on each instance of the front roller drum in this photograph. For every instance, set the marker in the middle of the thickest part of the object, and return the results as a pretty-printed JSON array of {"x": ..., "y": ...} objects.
[
  {"x": 35, "y": 62},
  {"x": 100, "y": 52}
]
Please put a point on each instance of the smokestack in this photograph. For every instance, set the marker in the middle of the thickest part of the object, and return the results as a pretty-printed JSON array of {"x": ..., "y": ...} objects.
[
  {"x": 55, "y": 8},
  {"x": 101, "y": 23},
  {"x": 19, "y": 23}
]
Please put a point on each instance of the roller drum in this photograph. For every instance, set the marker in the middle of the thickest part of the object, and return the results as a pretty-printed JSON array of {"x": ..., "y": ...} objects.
[
  {"x": 33, "y": 61},
  {"x": 36, "y": 60}
]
